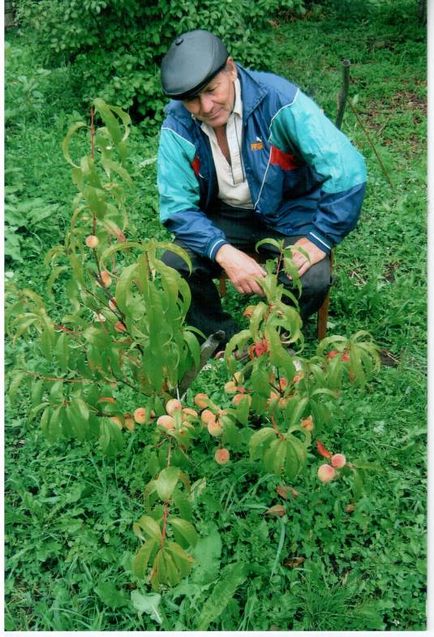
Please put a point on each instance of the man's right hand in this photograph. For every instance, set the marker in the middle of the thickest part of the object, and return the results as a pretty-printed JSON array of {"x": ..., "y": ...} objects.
[{"x": 241, "y": 269}]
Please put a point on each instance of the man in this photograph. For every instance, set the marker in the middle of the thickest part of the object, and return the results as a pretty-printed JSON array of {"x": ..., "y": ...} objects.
[{"x": 245, "y": 156}]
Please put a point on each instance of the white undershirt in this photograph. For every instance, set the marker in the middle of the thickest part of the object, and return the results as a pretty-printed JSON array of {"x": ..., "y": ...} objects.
[{"x": 231, "y": 177}]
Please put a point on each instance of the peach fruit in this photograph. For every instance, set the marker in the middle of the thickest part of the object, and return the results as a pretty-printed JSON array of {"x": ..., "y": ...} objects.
[
  {"x": 326, "y": 473},
  {"x": 338, "y": 460},
  {"x": 222, "y": 456},
  {"x": 92, "y": 241}
]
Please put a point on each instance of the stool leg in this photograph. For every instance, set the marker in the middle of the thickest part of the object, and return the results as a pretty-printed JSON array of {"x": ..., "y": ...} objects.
[{"x": 323, "y": 314}]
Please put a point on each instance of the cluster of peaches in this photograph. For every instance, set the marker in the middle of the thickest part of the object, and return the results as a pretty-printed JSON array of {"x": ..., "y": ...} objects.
[{"x": 179, "y": 420}]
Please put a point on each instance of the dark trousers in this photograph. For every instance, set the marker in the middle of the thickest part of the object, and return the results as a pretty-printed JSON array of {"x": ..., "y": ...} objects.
[{"x": 243, "y": 229}]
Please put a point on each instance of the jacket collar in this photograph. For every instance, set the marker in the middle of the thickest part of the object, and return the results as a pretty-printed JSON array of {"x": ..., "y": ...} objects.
[{"x": 252, "y": 94}]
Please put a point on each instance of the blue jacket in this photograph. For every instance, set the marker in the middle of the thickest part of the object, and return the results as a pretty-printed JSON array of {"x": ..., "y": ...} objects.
[{"x": 304, "y": 175}]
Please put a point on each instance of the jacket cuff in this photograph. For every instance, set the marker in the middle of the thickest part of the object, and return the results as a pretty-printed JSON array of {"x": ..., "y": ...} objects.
[
  {"x": 320, "y": 241},
  {"x": 214, "y": 246}
]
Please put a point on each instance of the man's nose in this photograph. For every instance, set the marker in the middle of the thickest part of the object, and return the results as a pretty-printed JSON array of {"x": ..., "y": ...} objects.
[{"x": 206, "y": 103}]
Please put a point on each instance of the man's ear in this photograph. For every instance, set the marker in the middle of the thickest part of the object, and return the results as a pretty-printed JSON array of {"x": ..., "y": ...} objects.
[{"x": 232, "y": 69}]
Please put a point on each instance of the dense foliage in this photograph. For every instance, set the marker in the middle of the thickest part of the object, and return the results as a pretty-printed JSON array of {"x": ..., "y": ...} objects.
[
  {"x": 115, "y": 47},
  {"x": 318, "y": 557}
]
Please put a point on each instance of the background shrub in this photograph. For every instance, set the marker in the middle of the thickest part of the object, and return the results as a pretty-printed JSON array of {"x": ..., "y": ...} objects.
[{"x": 115, "y": 46}]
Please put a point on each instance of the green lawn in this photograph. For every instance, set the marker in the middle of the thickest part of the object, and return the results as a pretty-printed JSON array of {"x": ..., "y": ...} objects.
[{"x": 332, "y": 563}]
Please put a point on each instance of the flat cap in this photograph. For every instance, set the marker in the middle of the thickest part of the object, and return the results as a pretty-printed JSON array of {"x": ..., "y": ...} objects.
[{"x": 192, "y": 60}]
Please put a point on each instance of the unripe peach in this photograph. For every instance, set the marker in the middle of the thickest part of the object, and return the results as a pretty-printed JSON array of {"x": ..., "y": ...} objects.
[
  {"x": 214, "y": 428},
  {"x": 167, "y": 422},
  {"x": 273, "y": 396},
  {"x": 129, "y": 422},
  {"x": 105, "y": 278},
  {"x": 98, "y": 317},
  {"x": 207, "y": 416},
  {"x": 120, "y": 327},
  {"x": 307, "y": 423},
  {"x": 117, "y": 421},
  {"x": 140, "y": 415},
  {"x": 338, "y": 460},
  {"x": 173, "y": 405},
  {"x": 222, "y": 456},
  {"x": 187, "y": 411},
  {"x": 326, "y": 473},
  {"x": 92, "y": 241},
  {"x": 201, "y": 400},
  {"x": 230, "y": 387}
]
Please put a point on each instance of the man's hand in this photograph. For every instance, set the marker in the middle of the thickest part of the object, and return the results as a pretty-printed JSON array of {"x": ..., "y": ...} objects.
[
  {"x": 241, "y": 269},
  {"x": 311, "y": 254}
]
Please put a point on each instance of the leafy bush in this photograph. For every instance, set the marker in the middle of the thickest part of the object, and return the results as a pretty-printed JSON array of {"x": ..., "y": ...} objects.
[
  {"x": 115, "y": 47},
  {"x": 120, "y": 356}
]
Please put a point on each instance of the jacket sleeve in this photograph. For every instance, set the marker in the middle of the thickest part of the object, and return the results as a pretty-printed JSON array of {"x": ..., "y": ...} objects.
[
  {"x": 178, "y": 188},
  {"x": 302, "y": 128}
]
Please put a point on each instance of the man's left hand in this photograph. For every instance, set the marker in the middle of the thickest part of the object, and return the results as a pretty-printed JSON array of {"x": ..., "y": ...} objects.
[{"x": 311, "y": 254}]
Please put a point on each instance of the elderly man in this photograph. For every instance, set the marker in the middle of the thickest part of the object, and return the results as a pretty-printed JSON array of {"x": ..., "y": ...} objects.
[{"x": 244, "y": 156}]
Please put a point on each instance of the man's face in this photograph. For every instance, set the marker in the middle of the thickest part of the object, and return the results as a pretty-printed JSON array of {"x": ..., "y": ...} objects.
[{"x": 215, "y": 102}]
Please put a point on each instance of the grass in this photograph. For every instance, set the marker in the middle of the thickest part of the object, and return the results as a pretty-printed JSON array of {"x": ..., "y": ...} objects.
[{"x": 333, "y": 563}]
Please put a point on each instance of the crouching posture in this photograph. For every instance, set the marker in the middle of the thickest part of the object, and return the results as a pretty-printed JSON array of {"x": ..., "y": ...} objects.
[{"x": 244, "y": 156}]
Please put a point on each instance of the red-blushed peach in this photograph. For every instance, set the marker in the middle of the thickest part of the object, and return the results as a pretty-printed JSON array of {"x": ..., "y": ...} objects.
[
  {"x": 283, "y": 383},
  {"x": 345, "y": 357},
  {"x": 112, "y": 304},
  {"x": 92, "y": 241},
  {"x": 222, "y": 456},
  {"x": 239, "y": 397},
  {"x": 140, "y": 415},
  {"x": 326, "y": 473},
  {"x": 173, "y": 405},
  {"x": 167, "y": 422},
  {"x": 214, "y": 428},
  {"x": 207, "y": 416},
  {"x": 105, "y": 278},
  {"x": 201, "y": 400},
  {"x": 338, "y": 460}
]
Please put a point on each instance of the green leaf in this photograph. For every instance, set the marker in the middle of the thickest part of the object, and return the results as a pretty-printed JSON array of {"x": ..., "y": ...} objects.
[
  {"x": 207, "y": 553},
  {"x": 182, "y": 560},
  {"x": 111, "y": 440},
  {"x": 148, "y": 604},
  {"x": 15, "y": 384},
  {"x": 65, "y": 144},
  {"x": 166, "y": 482},
  {"x": 142, "y": 557},
  {"x": 260, "y": 438},
  {"x": 296, "y": 455},
  {"x": 149, "y": 526},
  {"x": 111, "y": 596},
  {"x": 61, "y": 351},
  {"x": 184, "y": 532},
  {"x": 274, "y": 456},
  {"x": 231, "y": 578}
]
